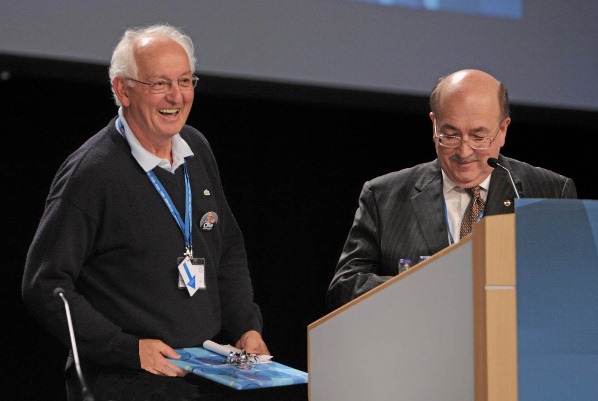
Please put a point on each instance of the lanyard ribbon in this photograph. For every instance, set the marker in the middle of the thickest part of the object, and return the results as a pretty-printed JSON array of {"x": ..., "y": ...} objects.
[{"x": 185, "y": 226}]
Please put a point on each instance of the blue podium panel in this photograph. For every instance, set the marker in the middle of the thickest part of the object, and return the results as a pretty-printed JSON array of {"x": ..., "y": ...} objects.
[{"x": 557, "y": 299}]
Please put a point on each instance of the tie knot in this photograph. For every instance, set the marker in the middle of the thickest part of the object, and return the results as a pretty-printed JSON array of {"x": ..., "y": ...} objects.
[{"x": 474, "y": 192}]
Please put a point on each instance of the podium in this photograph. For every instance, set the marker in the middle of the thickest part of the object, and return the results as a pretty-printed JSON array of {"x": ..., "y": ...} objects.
[{"x": 510, "y": 313}]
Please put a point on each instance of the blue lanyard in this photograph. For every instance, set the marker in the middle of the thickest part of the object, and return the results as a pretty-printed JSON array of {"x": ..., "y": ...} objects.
[
  {"x": 185, "y": 226},
  {"x": 448, "y": 225}
]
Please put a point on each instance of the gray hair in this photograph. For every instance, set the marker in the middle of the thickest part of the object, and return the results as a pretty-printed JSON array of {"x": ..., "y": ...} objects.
[{"x": 123, "y": 62}]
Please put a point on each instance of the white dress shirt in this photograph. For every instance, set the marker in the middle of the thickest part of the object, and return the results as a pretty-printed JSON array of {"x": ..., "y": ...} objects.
[{"x": 456, "y": 200}]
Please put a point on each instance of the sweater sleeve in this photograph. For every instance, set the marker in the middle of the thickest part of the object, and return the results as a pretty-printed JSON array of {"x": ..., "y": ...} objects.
[{"x": 62, "y": 244}]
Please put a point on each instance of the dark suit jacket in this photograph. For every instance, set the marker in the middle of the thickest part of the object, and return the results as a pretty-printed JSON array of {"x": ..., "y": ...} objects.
[{"x": 401, "y": 215}]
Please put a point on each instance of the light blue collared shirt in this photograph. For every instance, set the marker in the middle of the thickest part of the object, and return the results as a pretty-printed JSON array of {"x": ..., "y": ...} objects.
[{"x": 147, "y": 160}]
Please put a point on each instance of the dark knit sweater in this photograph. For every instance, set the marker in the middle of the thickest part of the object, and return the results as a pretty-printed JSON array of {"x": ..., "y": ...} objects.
[{"x": 107, "y": 238}]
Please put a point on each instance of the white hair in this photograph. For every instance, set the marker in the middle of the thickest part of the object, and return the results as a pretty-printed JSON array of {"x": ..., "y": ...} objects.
[{"x": 123, "y": 62}]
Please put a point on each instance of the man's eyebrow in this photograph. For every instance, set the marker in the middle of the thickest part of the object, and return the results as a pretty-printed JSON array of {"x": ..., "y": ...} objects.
[
  {"x": 164, "y": 77},
  {"x": 477, "y": 129}
]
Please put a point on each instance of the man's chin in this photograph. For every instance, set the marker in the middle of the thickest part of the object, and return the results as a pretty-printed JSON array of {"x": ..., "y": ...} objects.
[
  {"x": 172, "y": 129},
  {"x": 466, "y": 180}
]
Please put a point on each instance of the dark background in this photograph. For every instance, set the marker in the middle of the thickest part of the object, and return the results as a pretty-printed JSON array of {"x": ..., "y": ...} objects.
[{"x": 292, "y": 159}]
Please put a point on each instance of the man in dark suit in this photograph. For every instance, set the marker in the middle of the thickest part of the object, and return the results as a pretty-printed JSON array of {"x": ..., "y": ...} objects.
[{"x": 418, "y": 211}]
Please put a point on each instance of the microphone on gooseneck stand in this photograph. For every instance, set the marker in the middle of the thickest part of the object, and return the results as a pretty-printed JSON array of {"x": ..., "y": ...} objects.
[
  {"x": 85, "y": 393},
  {"x": 492, "y": 162}
]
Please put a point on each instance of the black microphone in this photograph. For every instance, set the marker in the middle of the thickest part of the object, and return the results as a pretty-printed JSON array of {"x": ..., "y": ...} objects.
[
  {"x": 85, "y": 393},
  {"x": 492, "y": 162}
]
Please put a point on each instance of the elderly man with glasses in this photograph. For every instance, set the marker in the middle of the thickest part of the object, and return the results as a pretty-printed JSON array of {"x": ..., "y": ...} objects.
[
  {"x": 139, "y": 238},
  {"x": 410, "y": 214}
]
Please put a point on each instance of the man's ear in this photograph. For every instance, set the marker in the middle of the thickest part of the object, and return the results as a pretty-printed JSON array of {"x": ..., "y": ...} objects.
[
  {"x": 432, "y": 118},
  {"x": 503, "y": 131},
  {"x": 121, "y": 89}
]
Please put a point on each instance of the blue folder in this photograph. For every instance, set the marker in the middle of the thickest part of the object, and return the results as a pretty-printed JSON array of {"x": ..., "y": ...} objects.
[{"x": 212, "y": 366}]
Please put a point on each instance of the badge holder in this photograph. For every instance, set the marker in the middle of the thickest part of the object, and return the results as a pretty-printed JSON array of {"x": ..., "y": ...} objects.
[{"x": 192, "y": 274}]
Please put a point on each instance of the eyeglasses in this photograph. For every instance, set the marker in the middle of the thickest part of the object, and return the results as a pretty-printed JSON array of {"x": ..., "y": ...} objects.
[
  {"x": 475, "y": 142},
  {"x": 164, "y": 86}
]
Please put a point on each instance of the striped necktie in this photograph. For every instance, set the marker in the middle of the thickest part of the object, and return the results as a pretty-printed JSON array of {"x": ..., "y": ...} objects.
[{"x": 475, "y": 207}]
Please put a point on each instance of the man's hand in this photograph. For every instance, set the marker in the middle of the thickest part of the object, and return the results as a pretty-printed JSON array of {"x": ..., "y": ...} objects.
[
  {"x": 153, "y": 354},
  {"x": 253, "y": 343}
]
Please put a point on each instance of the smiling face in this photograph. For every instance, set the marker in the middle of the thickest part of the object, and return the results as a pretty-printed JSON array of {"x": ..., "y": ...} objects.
[
  {"x": 468, "y": 106},
  {"x": 155, "y": 118}
]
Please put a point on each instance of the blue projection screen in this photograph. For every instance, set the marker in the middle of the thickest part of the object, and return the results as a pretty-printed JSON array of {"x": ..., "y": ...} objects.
[{"x": 491, "y": 8}]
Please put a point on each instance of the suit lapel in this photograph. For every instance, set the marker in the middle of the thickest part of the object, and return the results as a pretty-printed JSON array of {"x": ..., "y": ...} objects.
[{"x": 428, "y": 204}]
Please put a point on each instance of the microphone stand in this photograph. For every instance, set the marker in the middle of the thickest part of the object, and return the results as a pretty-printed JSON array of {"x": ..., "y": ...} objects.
[
  {"x": 492, "y": 162},
  {"x": 85, "y": 393}
]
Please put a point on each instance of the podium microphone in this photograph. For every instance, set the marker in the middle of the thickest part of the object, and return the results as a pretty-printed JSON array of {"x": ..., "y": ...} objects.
[
  {"x": 85, "y": 393},
  {"x": 492, "y": 162}
]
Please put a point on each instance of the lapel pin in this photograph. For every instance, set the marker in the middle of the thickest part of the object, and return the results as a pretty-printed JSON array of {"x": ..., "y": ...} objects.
[
  {"x": 206, "y": 192},
  {"x": 507, "y": 203}
]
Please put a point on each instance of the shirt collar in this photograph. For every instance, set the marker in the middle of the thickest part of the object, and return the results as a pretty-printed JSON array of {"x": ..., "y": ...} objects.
[
  {"x": 147, "y": 160},
  {"x": 448, "y": 185}
]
